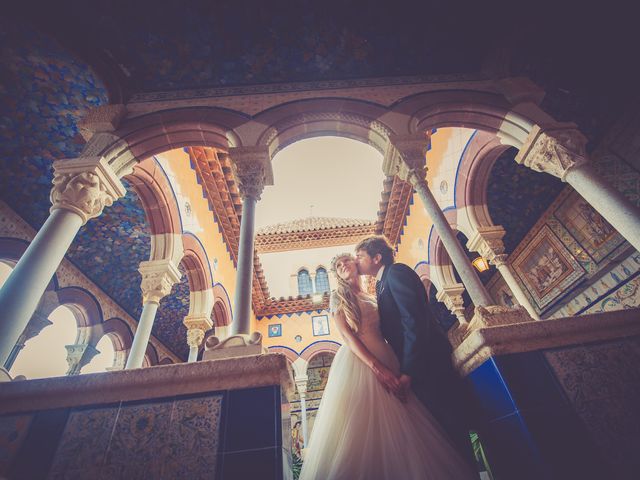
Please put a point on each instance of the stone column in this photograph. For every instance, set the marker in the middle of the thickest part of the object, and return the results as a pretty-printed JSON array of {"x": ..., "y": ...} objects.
[
  {"x": 79, "y": 355},
  {"x": 39, "y": 321},
  {"x": 560, "y": 151},
  {"x": 406, "y": 158},
  {"x": 301, "y": 383},
  {"x": 252, "y": 170},
  {"x": 196, "y": 328},
  {"x": 487, "y": 241},
  {"x": 82, "y": 187},
  {"x": 158, "y": 276}
]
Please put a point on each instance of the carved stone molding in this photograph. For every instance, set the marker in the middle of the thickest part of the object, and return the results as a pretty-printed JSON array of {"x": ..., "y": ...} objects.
[
  {"x": 451, "y": 296},
  {"x": 104, "y": 118},
  {"x": 252, "y": 170},
  {"x": 406, "y": 157},
  {"x": 158, "y": 277},
  {"x": 555, "y": 150},
  {"x": 85, "y": 186},
  {"x": 79, "y": 355},
  {"x": 487, "y": 241}
]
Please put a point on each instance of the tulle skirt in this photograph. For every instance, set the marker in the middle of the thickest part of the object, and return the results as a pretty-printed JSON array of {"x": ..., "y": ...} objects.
[{"x": 362, "y": 431}]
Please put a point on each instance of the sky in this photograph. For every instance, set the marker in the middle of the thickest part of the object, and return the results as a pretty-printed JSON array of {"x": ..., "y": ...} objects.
[
  {"x": 320, "y": 177},
  {"x": 45, "y": 355},
  {"x": 323, "y": 177}
]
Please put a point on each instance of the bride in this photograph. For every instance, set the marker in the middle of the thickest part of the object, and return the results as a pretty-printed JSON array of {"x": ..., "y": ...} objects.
[{"x": 363, "y": 431}]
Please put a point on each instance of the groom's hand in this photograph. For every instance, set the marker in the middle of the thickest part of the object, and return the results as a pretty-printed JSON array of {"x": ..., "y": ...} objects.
[{"x": 387, "y": 379}]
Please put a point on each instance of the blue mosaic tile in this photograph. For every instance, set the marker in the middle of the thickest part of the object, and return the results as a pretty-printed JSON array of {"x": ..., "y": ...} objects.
[
  {"x": 168, "y": 325},
  {"x": 109, "y": 249},
  {"x": 44, "y": 92},
  {"x": 517, "y": 196}
]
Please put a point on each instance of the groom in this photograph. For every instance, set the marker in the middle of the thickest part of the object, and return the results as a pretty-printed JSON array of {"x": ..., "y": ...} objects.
[{"x": 417, "y": 339}]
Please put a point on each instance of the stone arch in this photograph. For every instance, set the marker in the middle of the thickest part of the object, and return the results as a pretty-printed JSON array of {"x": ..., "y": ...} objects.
[
  {"x": 424, "y": 272},
  {"x": 349, "y": 118},
  {"x": 119, "y": 332},
  {"x": 84, "y": 303},
  {"x": 511, "y": 119},
  {"x": 165, "y": 361},
  {"x": 222, "y": 311},
  {"x": 319, "y": 347},
  {"x": 143, "y": 136},
  {"x": 443, "y": 268},
  {"x": 473, "y": 179},
  {"x": 158, "y": 199},
  {"x": 196, "y": 263},
  {"x": 151, "y": 355},
  {"x": 291, "y": 354}
]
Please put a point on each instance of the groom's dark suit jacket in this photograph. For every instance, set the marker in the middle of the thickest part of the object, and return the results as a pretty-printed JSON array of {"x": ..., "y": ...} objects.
[{"x": 422, "y": 348}]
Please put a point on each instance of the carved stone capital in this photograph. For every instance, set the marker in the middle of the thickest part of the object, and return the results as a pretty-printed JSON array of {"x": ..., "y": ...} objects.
[
  {"x": 158, "y": 277},
  {"x": 406, "y": 157},
  {"x": 79, "y": 355},
  {"x": 105, "y": 118},
  {"x": 252, "y": 170},
  {"x": 487, "y": 241},
  {"x": 85, "y": 186},
  {"x": 301, "y": 384},
  {"x": 499, "y": 260},
  {"x": 555, "y": 150},
  {"x": 195, "y": 336},
  {"x": 451, "y": 296}
]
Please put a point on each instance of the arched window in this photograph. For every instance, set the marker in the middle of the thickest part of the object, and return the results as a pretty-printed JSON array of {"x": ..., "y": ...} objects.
[
  {"x": 304, "y": 283},
  {"x": 322, "y": 280}
]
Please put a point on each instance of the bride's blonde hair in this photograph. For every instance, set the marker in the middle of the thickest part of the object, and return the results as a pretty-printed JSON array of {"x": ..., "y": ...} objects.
[{"x": 344, "y": 299}]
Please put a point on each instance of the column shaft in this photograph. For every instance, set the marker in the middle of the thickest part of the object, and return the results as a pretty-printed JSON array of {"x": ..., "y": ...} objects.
[
  {"x": 509, "y": 278},
  {"x": 193, "y": 354},
  {"x": 303, "y": 413},
  {"x": 143, "y": 333},
  {"x": 244, "y": 276},
  {"x": 477, "y": 292},
  {"x": 607, "y": 201},
  {"x": 27, "y": 282}
]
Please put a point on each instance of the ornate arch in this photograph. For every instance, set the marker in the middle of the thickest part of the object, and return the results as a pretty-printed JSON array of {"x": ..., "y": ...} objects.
[
  {"x": 84, "y": 305},
  {"x": 473, "y": 178},
  {"x": 119, "y": 332},
  {"x": 320, "y": 346},
  {"x": 141, "y": 137},
  {"x": 510, "y": 117},
  {"x": 196, "y": 263},
  {"x": 151, "y": 355},
  {"x": 291, "y": 355},
  {"x": 355, "y": 119},
  {"x": 157, "y": 197},
  {"x": 222, "y": 311},
  {"x": 424, "y": 272}
]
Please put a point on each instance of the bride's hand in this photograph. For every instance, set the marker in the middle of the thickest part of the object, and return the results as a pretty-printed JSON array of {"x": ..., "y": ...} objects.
[{"x": 387, "y": 378}]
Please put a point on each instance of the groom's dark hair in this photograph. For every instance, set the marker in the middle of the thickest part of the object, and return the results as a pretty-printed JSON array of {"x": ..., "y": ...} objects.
[{"x": 377, "y": 244}]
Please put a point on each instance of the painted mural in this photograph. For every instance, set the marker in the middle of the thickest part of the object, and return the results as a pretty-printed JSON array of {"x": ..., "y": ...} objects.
[{"x": 546, "y": 268}]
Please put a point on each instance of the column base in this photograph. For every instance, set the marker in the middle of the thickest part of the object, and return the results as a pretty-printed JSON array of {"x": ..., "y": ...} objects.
[{"x": 239, "y": 345}]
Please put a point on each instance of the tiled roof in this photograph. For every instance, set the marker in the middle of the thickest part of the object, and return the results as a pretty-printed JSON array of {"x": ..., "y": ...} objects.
[{"x": 312, "y": 224}]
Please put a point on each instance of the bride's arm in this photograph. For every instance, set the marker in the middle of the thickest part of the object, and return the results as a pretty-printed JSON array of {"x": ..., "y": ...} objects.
[{"x": 383, "y": 374}]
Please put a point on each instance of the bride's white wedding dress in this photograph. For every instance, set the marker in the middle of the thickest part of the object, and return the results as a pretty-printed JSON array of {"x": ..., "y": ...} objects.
[{"x": 362, "y": 431}]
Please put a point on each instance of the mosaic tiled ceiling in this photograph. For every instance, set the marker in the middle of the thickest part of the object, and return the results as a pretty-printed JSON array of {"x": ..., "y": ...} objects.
[
  {"x": 168, "y": 325},
  {"x": 203, "y": 43},
  {"x": 517, "y": 196},
  {"x": 44, "y": 92}
]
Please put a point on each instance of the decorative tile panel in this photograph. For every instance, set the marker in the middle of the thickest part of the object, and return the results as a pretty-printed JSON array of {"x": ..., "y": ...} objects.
[{"x": 13, "y": 430}]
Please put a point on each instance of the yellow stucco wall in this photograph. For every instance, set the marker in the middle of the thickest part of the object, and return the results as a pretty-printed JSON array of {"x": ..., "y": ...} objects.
[
  {"x": 184, "y": 182},
  {"x": 414, "y": 242},
  {"x": 296, "y": 324}
]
